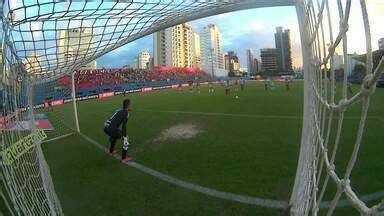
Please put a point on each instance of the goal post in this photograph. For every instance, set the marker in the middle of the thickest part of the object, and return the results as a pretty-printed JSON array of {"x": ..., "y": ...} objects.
[
  {"x": 300, "y": 197},
  {"x": 73, "y": 88}
]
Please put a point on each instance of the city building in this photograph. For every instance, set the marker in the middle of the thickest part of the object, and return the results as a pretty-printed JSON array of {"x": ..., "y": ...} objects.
[
  {"x": 243, "y": 70},
  {"x": 269, "y": 60},
  {"x": 381, "y": 44},
  {"x": 226, "y": 62},
  {"x": 1, "y": 57},
  {"x": 151, "y": 62},
  {"x": 376, "y": 58},
  {"x": 257, "y": 66},
  {"x": 196, "y": 50},
  {"x": 143, "y": 60},
  {"x": 75, "y": 44},
  {"x": 232, "y": 64},
  {"x": 352, "y": 62},
  {"x": 159, "y": 48},
  {"x": 251, "y": 67},
  {"x": 33, "y": 64},
  {"x": 212, "y": 57},
  {"x": 283, "y": 50},
  {"x": 175, "y": 47},
  {"x": 338, "y": 61}
]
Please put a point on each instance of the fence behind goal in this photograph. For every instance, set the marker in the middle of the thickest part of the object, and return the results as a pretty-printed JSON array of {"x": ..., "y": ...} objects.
[{"x": 45, "y": 40}]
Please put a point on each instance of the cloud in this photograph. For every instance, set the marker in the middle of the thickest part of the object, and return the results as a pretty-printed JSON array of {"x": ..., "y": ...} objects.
[
  {"x": 253, "y": 26},
  {"x": 255, "y": 29},
  {"x": 240, "y": 30},
  {"x": 126, "y": 55},
  {"x": 36, "y": 28},
  {"x": 356, "y": 31},
  {"x": 222, "y": 16},
  {"x": 15, "y": 4}
]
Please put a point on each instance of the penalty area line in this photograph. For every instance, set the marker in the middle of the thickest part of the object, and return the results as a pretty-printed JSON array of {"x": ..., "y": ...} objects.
[
  {"x": 246, "y": 115},
  {"x": 269, "y": 203},
  {"x": 223, "y": 114}
]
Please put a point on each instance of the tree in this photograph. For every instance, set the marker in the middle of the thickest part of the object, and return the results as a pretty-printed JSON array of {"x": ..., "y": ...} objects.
[
  {"x": 359, "y": 71},
  {"x": 339, "y": 74},
  {"x": 231, "y": 74}
]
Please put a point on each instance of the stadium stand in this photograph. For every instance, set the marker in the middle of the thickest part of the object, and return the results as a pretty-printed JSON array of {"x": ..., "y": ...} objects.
[
  {"x": 102, "y": 77},
  {"x": 96, "y": 81}
]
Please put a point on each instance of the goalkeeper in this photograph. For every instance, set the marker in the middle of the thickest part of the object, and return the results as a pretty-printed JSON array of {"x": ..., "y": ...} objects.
[{"x": 111, "y": 128}]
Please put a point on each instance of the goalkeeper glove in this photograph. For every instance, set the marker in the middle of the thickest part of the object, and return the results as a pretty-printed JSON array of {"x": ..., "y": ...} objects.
[{"x": 125, "y": 143}]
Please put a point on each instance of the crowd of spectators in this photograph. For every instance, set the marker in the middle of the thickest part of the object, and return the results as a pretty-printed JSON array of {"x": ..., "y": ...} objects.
[{"x": 88, "y": 78}]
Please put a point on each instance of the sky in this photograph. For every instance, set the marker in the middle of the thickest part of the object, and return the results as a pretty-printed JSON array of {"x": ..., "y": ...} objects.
[
  {"x": 240, "y": 30},
  {"x": 255, "y": 28}
]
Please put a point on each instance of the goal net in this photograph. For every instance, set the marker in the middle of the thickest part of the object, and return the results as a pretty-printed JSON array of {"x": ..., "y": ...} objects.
[
  {"x": 324, "y": 27},
  {"x": 45, "y": 41}
]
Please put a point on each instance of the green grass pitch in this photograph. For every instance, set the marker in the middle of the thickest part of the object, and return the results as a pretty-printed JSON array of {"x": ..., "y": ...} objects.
[{"x": 246, "y": 146}]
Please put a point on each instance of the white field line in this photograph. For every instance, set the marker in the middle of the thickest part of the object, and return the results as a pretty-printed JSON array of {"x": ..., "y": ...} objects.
[
  {"x": 269, "y": 203},
  {"x": 58, "y": 137},
  {"x": 246, "y": 115},
  {"x": 223, "y": 114}
]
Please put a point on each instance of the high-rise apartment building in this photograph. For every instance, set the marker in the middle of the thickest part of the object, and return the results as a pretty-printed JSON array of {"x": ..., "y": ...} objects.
[
  {"x": 381, "y": 44},
  {"x": 269, "y": 60},
  {"x": 257, "y": 65},
  {"x": 74, "y": 44},
  {"x": 212, "y": 58},
  {"x": 159, "y": 48},
  {"x": 1, "y": 56},
  {"x": 143, "y": 60},
  {"x": 338, "y": 61},
  {"x": 175, "y": 46},
  {"x": 283, "y": 50},
  {"x": 252, "y": 68},
  {"x": 232, "y": 63},
  {"x": 33, "y": 64},
  {"x": 196, "y": 50}
]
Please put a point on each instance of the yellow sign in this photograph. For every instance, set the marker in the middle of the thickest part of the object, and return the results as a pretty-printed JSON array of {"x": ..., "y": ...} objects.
[{"x": 22, "y": 146}]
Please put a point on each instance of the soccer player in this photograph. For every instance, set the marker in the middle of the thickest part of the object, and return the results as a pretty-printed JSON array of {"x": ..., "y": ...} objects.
[
  {"x": 210, "y": 85},
  {"x": 287, "y": 82},
  {"x": 272, "y": 84},
  {"x": 227, "y": 87},
  {"x": 242, "y": 84},
  {"x": 49, "y": 103},
  {"x": 198, "y": 86},
  {"x": 266, "y": 85},
  {"x": 111, "y": 128},
  {"x": 190, "y": 83},
  {"x": 236, "y": 85}
]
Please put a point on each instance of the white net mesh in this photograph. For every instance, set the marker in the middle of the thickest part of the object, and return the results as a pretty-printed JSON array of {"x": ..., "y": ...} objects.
[
  {"x": 24, "y": 170},
  {"x": 45, "y": 40},
  {"x": 326, "y": 103}
]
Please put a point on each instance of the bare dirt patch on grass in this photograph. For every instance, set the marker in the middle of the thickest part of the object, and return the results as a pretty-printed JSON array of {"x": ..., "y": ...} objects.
[{"x": 179, "y": 131}]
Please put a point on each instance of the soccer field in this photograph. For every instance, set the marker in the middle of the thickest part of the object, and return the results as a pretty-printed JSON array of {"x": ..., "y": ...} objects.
[{"x": 247, "y": 146}]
